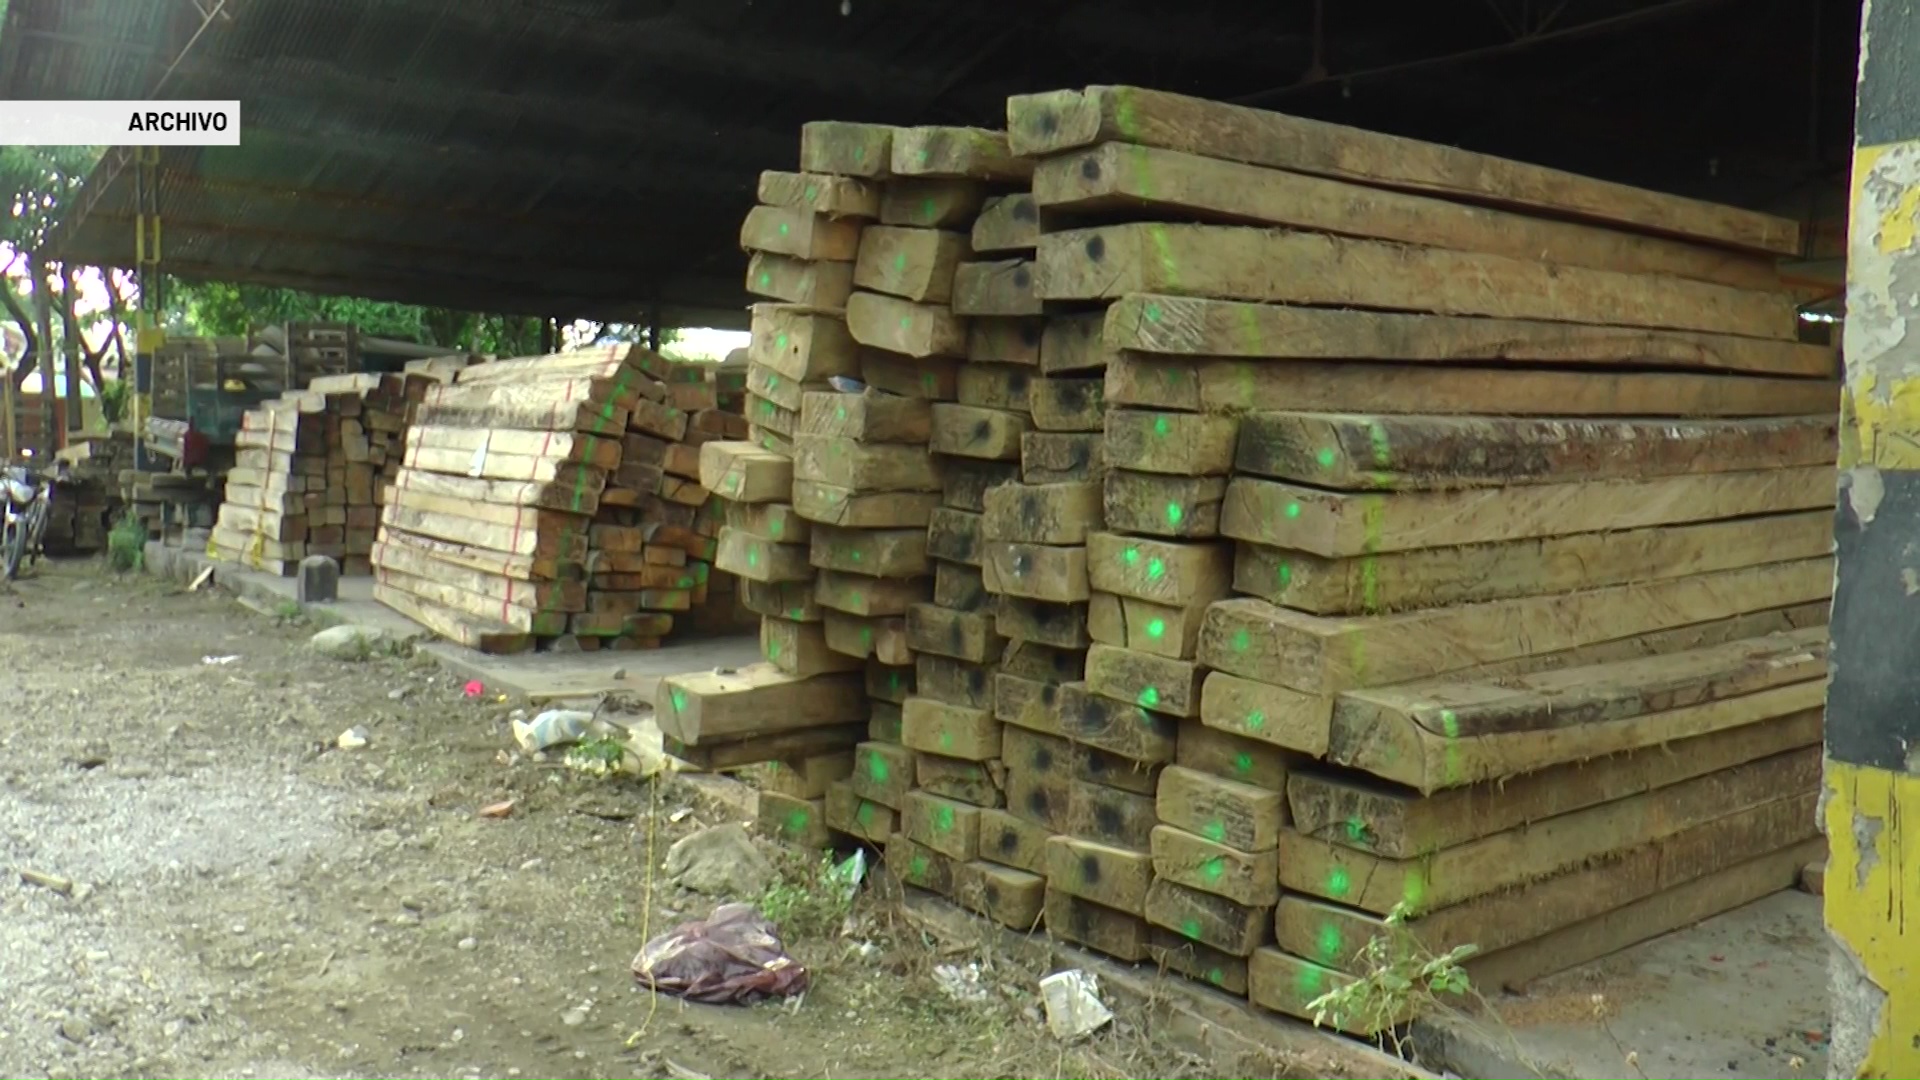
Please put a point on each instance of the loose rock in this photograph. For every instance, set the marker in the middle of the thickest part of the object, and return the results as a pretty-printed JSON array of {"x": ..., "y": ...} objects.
[
  {"x": 720, "y": 861},
  {"x": 348, "y": 643}
]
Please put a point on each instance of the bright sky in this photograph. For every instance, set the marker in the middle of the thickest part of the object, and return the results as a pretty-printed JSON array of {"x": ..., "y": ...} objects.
[{"x": 710, "y": 344}]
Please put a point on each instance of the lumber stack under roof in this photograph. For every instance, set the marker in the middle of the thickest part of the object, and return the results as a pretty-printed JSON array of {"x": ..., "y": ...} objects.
[
  {"x": 554, "y": 502},
  {"x": 1463, "y": 547},
  {"x": 831, "y": 499},
  {"x": 311, "y": 467}
]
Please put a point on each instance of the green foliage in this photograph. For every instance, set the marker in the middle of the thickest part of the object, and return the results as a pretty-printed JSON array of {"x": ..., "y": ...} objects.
[
  {"x": 601, "y": 756},
  {"x": 35, "y": 183},
  {"x": 1402, "y": 979},
  {"x": 809, "y": 899},
  {"x": 218, "y": 308},
  {"x": 127, "y": 545},
  {"x": 113, "y": 399}
]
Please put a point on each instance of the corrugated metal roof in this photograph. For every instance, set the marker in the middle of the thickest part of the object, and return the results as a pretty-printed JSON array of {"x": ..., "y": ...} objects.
[{"x": 594, "y": 156}]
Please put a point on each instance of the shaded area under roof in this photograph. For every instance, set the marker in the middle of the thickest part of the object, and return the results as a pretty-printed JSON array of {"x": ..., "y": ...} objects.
[{"x": 594, "y": 157}]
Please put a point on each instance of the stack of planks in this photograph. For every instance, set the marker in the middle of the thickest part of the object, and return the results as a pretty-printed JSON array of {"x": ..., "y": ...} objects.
[
  {"x": 310, "y": 470},
  {"x": 552, "y": 502},
  {"x": 825, "y": 504},
  {"x": 320, "y": 350},
  {"x": 287, "y": 494},
  {"x": 923, "y": 773},
  {"x": 167, "y": 504},
  {"x": 1465, "y": 548},
  {"x": 88, "y": 497},
  {"x": 803, "y": 239},
  {"x": 366, "y": 448}
]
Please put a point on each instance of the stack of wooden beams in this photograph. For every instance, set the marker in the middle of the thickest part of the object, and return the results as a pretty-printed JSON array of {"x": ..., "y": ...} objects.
[
  {"x": 282, "y": 489},
  {"x": 319, "y": 350},
  {"x": 546, "y": 502},
  {"x": 923, "y": 773},
  {"x": 167, "y": 504},
  {"x": 322, "y": 496},
  {"x": 802, "y": 239},
  {"x": 88, "y": 496},
  {"x": 363, "y": 449},
  {"x": 1514, "y": 624}
]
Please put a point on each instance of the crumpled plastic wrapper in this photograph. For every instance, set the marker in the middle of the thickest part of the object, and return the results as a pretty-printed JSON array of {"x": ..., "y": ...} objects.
[{"x": 733, "y": 956}]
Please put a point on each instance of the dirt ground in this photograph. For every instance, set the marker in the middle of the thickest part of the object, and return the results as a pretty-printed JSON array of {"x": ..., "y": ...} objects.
[{"x": 251, "y": 900}]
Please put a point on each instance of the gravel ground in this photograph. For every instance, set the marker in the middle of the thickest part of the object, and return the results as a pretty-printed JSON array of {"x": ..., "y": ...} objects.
[{"x": 249, "y": 900}]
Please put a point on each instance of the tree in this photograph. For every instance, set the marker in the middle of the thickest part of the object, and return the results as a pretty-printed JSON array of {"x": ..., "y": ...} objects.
[
  {"x": 215, "y": 308},
  {"x": 36, "y": 183}
]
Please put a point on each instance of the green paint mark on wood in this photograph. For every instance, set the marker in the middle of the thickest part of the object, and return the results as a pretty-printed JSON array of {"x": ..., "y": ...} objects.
[{"x": 1329, "y": 943}]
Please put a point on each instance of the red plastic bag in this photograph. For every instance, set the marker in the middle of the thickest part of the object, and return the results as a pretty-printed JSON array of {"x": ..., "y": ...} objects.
[{"x": 732, "y": 956}]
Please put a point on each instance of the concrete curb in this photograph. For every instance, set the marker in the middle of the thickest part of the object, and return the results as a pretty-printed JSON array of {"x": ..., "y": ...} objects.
[
  {"x": 271, "y": 596},
  {"x": 536, "y": 678}
]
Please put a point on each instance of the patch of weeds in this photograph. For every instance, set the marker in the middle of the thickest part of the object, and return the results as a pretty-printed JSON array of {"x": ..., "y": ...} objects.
[
  {"x": 1403, "y": 980},
  {"x": 290, "y": 612},
  {"x": 127, "y": 545},
  {"x": 810, "y": 898},
  {"x": 600, "y": 757}
]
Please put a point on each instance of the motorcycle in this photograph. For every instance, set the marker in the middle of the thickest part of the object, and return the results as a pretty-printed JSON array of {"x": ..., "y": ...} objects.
[{"x": 23, "y": 529}]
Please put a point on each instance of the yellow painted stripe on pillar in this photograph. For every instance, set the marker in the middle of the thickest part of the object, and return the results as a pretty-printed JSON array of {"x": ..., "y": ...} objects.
[{"x": 1872, "y": 870}]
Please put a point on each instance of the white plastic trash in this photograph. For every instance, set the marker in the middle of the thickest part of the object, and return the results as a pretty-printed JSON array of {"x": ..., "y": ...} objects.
[
  {"x": 1074, "y": 1008},
  {"x": 554, "y": 727}
]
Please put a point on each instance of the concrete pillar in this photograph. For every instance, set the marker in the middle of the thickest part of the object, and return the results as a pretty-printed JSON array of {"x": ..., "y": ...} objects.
[
  {"x": 1873, "y": 704},
  {"x": 319, "y": 581}
]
